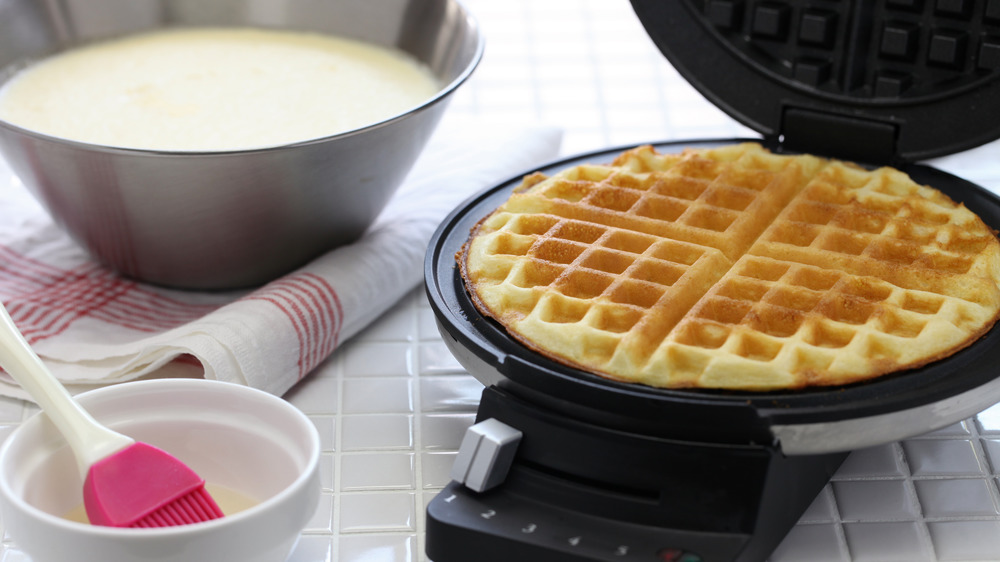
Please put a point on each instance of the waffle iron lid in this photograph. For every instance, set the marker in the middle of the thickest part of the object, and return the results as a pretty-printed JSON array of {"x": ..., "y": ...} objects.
[
  {"x": 877, "y": 82},
  {"x": 723, "y": 415}
]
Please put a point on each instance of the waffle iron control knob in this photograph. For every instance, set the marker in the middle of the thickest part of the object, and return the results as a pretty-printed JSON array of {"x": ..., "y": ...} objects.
[{"x": 485, "y": 455}]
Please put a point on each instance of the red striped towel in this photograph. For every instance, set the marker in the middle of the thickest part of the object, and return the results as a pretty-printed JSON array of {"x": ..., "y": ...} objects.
[{"x": 93, "y": 327}]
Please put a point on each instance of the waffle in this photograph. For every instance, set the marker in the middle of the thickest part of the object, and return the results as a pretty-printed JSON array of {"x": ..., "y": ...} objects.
[{"x": 734, "y": 268}]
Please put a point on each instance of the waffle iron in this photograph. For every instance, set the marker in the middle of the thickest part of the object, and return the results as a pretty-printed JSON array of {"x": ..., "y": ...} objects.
[{"x": 563, "y": 465}]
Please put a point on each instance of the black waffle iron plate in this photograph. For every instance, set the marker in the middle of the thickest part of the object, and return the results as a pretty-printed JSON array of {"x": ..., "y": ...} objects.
[
  {"x": 815, "y": 421},
  {"x": 564, "y": 465}
]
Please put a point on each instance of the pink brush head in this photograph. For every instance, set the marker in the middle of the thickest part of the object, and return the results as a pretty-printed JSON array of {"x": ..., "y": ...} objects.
[{"x": 142, "y": 486}]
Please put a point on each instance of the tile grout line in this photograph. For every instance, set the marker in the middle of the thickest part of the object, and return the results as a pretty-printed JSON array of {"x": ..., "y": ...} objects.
[
  {"x": 588, "y": 25},
  {"x": 417, "y": 407},
  {"x": 338, "y": 432},
  {"x": 923, "y": 531},
  {"x": 838, "y": 520},
  {"x": 988, "y": 466}
]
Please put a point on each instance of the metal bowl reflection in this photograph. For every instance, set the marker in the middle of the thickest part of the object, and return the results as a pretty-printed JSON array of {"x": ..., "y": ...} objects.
[{"x": 229, "y": 219}]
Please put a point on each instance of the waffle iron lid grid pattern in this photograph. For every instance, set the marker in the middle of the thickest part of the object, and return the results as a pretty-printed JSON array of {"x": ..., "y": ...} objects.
[
  {"x": 968, "y": 369},
  {"x": 879, "y": 81}
]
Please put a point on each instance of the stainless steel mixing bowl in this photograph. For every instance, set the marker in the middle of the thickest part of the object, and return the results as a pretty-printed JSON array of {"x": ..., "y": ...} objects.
[{"x": 220, "y": 220}]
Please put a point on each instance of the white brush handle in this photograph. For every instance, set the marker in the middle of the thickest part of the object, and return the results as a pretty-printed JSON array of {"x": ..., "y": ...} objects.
[{"x": 89, "y": 440}]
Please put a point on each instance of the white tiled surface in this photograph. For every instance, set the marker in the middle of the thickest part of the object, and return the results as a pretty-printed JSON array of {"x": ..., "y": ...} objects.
[{"x": 392, "y": 404}]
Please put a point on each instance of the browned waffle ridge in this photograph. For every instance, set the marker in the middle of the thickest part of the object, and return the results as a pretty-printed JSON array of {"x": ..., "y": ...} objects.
[{"x": 734, "y": 268}]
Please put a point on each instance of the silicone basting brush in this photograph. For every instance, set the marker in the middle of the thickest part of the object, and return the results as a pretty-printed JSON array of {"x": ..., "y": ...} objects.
[{"x": 126, "y": 483}]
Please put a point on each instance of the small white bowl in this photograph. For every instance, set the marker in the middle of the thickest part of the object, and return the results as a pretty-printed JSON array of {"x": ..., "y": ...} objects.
[{"x": 236, "y": 437}]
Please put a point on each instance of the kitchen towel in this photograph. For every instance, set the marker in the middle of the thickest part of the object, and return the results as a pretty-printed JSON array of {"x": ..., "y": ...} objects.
[{"x": 93, "y": 327}]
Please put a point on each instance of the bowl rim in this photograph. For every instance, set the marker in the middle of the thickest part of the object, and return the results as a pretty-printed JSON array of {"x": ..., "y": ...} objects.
[
  {"x": 120, "y": 533},
  {"x": 472, "y": 26}
]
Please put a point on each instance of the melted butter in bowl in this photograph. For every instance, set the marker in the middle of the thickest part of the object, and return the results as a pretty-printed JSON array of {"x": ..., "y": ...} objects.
[
  {"x": 229, "y": 501},
  {"x": 214, "y": 89}
]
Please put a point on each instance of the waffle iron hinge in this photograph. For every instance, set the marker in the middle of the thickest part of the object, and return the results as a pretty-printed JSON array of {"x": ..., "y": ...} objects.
[{"x": 840, "y": 136}]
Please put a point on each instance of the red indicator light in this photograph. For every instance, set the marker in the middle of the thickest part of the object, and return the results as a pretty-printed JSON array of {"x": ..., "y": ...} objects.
[
  {"x": 670, "y": 554},
  {"x": 677, "y": 555}
]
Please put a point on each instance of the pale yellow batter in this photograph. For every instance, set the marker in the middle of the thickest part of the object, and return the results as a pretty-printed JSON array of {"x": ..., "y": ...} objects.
[{"x": 210, "y": 89}]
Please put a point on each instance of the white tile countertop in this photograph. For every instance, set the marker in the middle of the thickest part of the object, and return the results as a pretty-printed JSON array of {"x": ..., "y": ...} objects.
[{"x": 392, "y": 404}]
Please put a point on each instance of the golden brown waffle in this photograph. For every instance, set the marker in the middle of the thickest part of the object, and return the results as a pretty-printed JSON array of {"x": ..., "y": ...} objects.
[{"x": 734, "y": 268}]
